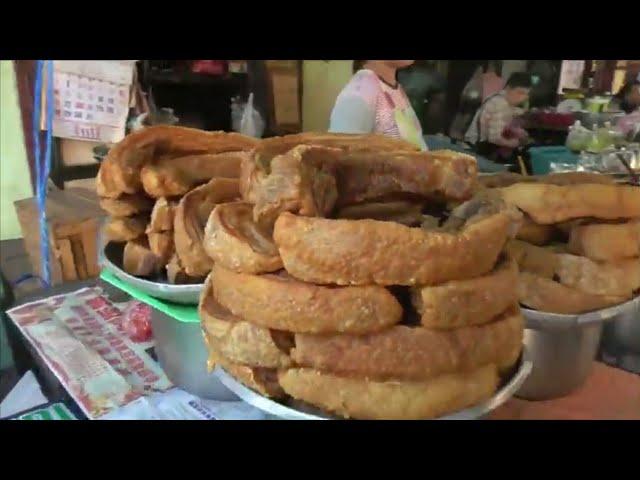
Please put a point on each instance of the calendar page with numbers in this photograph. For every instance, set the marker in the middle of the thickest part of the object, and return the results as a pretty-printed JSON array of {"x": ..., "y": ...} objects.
[{"x": 91, "y": 99}]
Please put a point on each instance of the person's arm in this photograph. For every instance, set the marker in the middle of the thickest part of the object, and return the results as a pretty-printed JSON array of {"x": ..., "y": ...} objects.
[
  {"x": 352, "y": 114},
  {"x": 498, "y": 115}
]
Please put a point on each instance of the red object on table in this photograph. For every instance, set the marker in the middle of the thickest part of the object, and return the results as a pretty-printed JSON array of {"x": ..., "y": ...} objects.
[
  {"x": 608, "y": 394},
  {"x": 137, "y": 322},
  {"x": 209, "y": 67}
]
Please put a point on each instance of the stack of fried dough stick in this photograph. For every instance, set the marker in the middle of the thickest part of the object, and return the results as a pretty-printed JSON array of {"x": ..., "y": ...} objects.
[
  {"x": 340, "y": 280},
  {"x": 159, "y": 186},
  {"x": 578, "y": 249}
]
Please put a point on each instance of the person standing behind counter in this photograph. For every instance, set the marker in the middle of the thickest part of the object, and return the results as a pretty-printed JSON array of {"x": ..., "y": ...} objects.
[
  {"x": 488, "y": 130},
  {"x": 374, "y": 102}
]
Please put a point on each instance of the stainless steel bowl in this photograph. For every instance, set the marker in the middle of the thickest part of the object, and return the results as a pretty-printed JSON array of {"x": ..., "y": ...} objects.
[
  {"x": 563, "y": 349},
  {"x": 111, "y": 259},
  {"x": 183, "y": 356},
  {"x": 291, "y": 409},
  {"x": 622, "y": 335}
]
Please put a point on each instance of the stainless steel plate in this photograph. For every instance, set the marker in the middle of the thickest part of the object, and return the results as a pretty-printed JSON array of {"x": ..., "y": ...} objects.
[
  {"x": 295, "y": 410},
  {"x": 550, "y": 321},
  {"x": 111, "y": 259}
]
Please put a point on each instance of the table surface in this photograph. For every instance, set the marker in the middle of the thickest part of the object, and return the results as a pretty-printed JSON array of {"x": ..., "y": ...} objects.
[{"x": 608, "y": 394}]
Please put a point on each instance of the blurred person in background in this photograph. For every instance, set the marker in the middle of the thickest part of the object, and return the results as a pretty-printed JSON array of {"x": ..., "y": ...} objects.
[
  {"x": 628, "y": 100},
  {"x": 493, "y": 130},
  {"x": 374, "y": 102}
]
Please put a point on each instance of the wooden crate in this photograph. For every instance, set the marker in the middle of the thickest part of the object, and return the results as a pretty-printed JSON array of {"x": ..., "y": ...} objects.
[{"x": 74, "y": 218}]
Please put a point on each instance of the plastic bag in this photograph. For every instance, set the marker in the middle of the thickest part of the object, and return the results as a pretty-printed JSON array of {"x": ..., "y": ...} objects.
[
  {"x": 136, "y": 322},
  {"x": 251, "y": 123}
]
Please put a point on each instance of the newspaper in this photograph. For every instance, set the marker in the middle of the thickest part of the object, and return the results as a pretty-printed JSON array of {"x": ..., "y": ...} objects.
[
  {"x": 79, "y": 337},
  {"x": 177, "y": 404}
]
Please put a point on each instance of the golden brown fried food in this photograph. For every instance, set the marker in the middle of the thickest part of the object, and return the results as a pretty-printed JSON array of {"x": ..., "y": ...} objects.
[
  {"x": 536, "y": 234},
  {"x": 237, "y": 340},
  {"x": 393, "y": 399},
  {"x": 126, "y": 205},
  {"x": 620, "y": 278},
  {"x": 605, "y": 241},
  {"x": 547, "y": 295},
  {"x": 175, "y": 176},
  {"x": 162, "y": 216},
  {"x": 575, "y": 178},
  {"x": 120, "y": 171},
  {"x": 190, "y": 219},
  {"x": 364, "y": 252},
  {"x": 282, "y": 303},
  {"x": 548, "y": 204},
  {"x": 407, "y": 213},
  {"x": 177, "y": 275},
  {"x": 310, "y": 180},
  {"x": 597, "y": 278},
  {"x": 533, "y": 259},
  {"x": 262, "y": 380},
  {"x": 233, "y": 240},
  {"x": 162, "y": 246},
  {"x": 123, "y": 229},
  {"x": 301, "y": 180},
  {"x": 250, "y": 178},
  {"x": 274, "y": 146},
  {"x": 139, "y": 260},
  {"x": 462, "y": 303},
  {"x": 505, "y": 179},
  {"x": 442, "y": 174},
  {"x": 414, "y": 353}
]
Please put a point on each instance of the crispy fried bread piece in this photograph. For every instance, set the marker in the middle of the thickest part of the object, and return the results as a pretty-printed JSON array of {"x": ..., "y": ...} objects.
[
  {"x": 462, "y": 303},
  {"x": 547, "y": 295},
  {"x": 162, "y": 246},
  {"x": 177, "y": 275},
  {"x": 405, "y": 212},
  {"x": 123, "y": 229},
  {"x": 619, "y": 278},
  {"x": 310, "y": 180},
  {"x": 250, "y": 179},
  {"x": 175, "y": 176},
  {"x": 191, "y": 217},
  {"x": 533, "y": 259},
  {"x": 393, "y": 399},
  {"x": 262, "y": 380},
  {"x": 548, "y": 204},
  {"x": 233, "y": 240},
  {"x": 536, "y": 234},
  {"x": 505, "y": 179},
  {"x": 301, "y": 180},
  {"x": 283, "y": 303},
  {"x": 364, "y": 252},
  {"x": 274, "y": 146},
  {"x": 120, "y": 171},
  {"x": 414, "y": 353},
  {"x": 126, "y": 205},
  {"x": 139, "y": 260},
  {"x": 162, "y": 216},
  {"x": 237, "y": 340},
  {"x": 605, "y": 241}
]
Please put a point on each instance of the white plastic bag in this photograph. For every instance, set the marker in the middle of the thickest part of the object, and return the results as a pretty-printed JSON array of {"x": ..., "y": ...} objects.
[{"x": 251, "y": 123}]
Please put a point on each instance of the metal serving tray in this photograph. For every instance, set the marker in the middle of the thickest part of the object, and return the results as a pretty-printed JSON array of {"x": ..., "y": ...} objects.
[
  {"x": 111, "y": 259},
  {"x": 295, "y": 410}
]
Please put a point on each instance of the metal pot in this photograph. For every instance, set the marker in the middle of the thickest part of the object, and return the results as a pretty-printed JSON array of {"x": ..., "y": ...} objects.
[
  {"x": 183, "y": 355},
  {"x": 562, "y": 348},
  {"x": 622, "y": 335}
]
